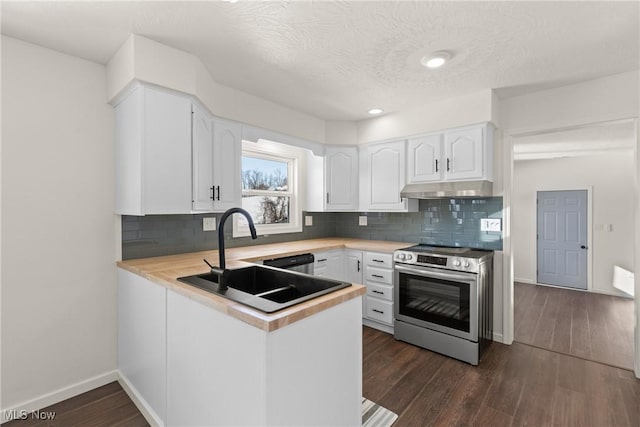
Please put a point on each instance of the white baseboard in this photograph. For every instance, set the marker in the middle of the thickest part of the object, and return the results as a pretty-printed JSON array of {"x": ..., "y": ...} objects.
[
  {"x": 149, "y": 414},
  {"x": 61, "y": 394},
  {"x": 379, "y": 326},
  {"x": 498, "y": 337},
  {"x": 612, "y": 292}
]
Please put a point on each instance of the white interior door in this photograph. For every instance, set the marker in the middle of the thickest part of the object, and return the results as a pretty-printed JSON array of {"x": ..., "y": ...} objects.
[{"x": 562, "y": 238}]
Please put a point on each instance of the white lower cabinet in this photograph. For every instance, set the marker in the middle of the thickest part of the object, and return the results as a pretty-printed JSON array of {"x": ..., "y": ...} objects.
[
  {"x": 329, "y": 264},
  {"x": 223, "y": 372},
  {"x": 352, "y": 266},
  {"x": 142, "y": 341},
  {"x": 205, "y": 350},
  {"x": 380, "y": 310},
  {"x": 188, "y": 364},
  {"x": 373, "y": 269},
  {"x": 378, "y": 273}
]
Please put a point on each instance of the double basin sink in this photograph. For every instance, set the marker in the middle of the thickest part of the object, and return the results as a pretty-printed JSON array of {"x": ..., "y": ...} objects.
[{"x": 267, "y": 289}]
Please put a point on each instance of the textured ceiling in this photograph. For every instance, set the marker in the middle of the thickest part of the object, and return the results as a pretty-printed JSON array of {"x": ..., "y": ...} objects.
[{"x": 337, "y": 59}]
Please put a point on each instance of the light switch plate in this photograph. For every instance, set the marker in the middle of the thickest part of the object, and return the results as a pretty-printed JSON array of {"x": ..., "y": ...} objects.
[
  {"x": 308, "y": 220},
  {"x": 362, "y": 220},
  {"x": 209, "y": 224},
  {"x": 490, "y": 224}
]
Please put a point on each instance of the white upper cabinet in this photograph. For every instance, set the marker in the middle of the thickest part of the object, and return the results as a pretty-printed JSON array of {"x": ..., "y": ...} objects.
[
  {"x": 464, "y": 153},
  {"x": 153, "y": 152},
  {"x": 217, "y": 149},
  {"x": 341, "y": 178},
  {"x": 202, "y": 152},
  {"x": 424, "y": 159},
  {"x": 382, "y": 176},
  {"x": 227, "y": 154},
  {"x": 453, "y": 155}
]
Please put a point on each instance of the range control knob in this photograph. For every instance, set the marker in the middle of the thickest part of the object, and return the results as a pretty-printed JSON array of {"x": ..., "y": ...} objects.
[
  {"x": 456, "y": 263},
  {"x": 400, "y": 256},
  {"x": 409, "y": 257},
  {"x": 466, "y": 264}
]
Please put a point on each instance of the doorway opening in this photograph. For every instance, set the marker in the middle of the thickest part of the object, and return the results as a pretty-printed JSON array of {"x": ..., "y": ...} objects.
[{"x": 577, "y": 234}]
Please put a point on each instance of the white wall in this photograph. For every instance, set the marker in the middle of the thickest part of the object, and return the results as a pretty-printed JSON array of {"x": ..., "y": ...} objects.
[
  {"x": 637, "y": 252},
  {"x": 607, "y": 98},
  {"x": 149, "y": 61},
  {"x": 58, "y": 270},
  {"x": 611, "y": 176},
  {"x": 341, "y": 132},
  {"x": 443, "y": 114}
]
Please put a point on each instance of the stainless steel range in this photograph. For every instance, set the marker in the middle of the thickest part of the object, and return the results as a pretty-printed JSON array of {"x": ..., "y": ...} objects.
[{"x": 444, "y": 299}]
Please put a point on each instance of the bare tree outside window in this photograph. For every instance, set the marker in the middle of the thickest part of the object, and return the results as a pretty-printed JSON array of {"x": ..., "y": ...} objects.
[{"x": 265, "y": 190}]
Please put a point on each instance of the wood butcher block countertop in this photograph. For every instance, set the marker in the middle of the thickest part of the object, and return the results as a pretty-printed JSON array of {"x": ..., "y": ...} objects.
[{"x": 165, "y": 270}]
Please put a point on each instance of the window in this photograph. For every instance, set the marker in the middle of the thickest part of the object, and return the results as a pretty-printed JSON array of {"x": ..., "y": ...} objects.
[{"x": 269, "y": 189}]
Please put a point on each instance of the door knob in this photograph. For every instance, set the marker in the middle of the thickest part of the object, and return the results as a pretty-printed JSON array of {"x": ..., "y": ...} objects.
[{"x": 583, "y": 247}]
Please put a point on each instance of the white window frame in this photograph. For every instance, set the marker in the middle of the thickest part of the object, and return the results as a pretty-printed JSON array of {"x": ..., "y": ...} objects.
[{"x": 281, "y": 153}]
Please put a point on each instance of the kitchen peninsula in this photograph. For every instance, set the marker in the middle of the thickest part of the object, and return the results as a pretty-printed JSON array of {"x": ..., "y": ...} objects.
[{"x": 189, "y": 357}]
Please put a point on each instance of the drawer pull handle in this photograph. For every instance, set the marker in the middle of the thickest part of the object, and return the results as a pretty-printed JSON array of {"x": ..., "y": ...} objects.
[
  {"x": 378, "y": 276},
  {"x": 322, "y": 260},
  {"x": 377, "y": 292},
  {"x": 377, "y": 311},
  {"x": 377, "y": 260}
]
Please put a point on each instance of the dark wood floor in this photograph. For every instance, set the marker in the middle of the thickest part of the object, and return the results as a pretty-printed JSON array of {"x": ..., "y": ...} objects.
[
  {"x": 513, "y": 386},
  {"x": 105, "y": 406},
  {"x": 584, "y": 324}
]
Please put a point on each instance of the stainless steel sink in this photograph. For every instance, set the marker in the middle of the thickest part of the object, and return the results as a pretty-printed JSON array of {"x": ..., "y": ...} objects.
[{"x": 267, "y": 289}]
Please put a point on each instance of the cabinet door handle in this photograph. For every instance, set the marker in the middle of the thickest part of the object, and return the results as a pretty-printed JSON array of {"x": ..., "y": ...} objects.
[
  {"x": 213, "y": 192},
  {"x": 377, "y": 311},
  {"x": 377, "y": 292},
  {"x": 448, "y": 164},
  {"x": 322, "y": 260},
  {"x": 377, "y": 260},
  {"x": 378, "y": 276},
  {"x": 218, "y": 187},
  {"x": 358, "y": 265},
  {"x": 436, "y": 165},
  {"x": 327, "y": 198}
]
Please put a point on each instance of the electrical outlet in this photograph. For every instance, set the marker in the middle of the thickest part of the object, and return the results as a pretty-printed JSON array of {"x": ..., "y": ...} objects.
[
  {"x": 362, "y": 220},
  {"x": 209, "y": 224},
  {"x": 308, "y": 220},
  {"x": 490, "y": 224}
]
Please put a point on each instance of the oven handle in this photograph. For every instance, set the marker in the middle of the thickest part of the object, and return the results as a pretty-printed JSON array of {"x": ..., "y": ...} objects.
[{"x": 429, "y": 272}]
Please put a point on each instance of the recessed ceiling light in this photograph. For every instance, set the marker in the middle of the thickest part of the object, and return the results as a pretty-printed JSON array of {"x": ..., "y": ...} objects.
[
  {"x": 376, "y": 111},
  {"x": 436, "y": 59}
]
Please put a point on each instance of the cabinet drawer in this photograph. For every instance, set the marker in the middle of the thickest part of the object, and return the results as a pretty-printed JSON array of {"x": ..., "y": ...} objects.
[
  {"x": 380, "y": 310},
  {"x": 378, "y": 260},
  {"x": 381, "y": 275},
  {"x": 321, "y": 259},
  {"x": 380, "y": 291}
]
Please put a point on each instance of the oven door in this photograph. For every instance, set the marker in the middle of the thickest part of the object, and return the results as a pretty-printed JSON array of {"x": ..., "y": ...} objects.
[{"x": 441, "y": 300}]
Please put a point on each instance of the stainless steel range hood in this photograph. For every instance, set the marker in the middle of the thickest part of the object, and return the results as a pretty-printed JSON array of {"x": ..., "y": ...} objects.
[{"x": 439, "y": 190}]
